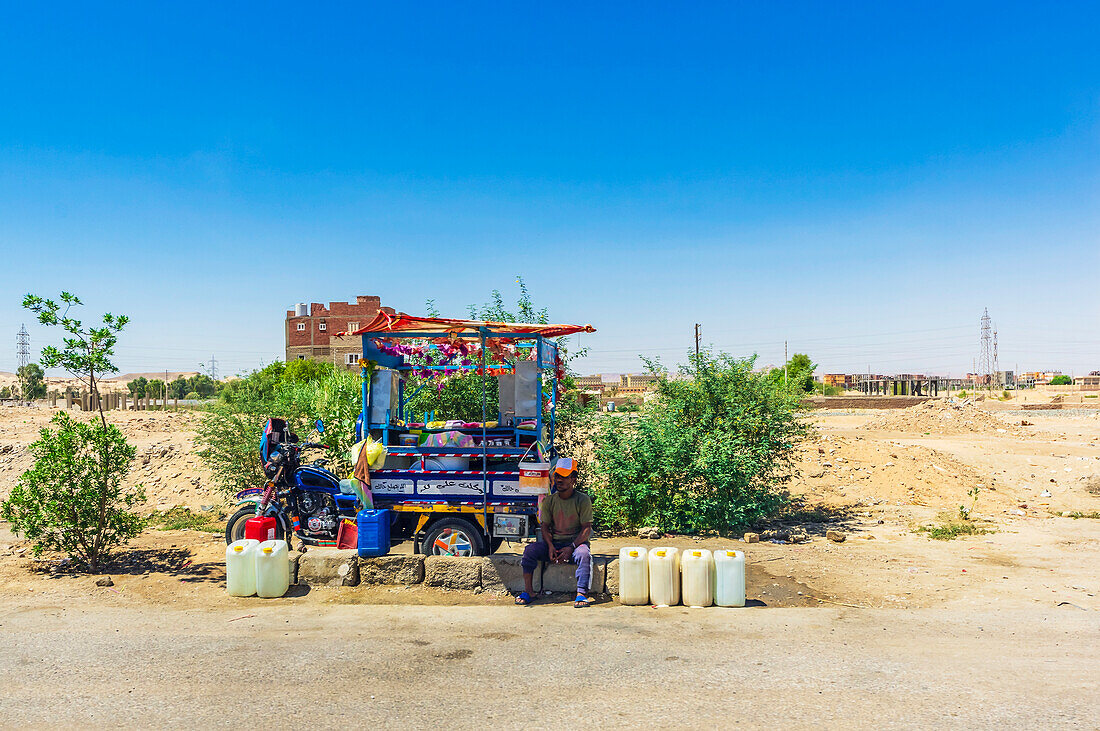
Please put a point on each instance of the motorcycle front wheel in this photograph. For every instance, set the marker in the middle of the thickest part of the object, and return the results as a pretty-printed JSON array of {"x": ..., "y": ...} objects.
[{"x": 234, "y": 527}]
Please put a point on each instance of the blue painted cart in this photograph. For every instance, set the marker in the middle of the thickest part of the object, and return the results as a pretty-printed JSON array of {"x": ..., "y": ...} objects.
[{"x": 462, "y": 500}]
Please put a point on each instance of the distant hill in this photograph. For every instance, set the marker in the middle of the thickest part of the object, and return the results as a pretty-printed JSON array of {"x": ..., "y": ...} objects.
[{"x": 159, "y": 375}]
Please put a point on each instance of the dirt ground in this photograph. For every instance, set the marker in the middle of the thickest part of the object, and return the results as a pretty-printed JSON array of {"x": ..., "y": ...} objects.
[
  {"x": 876, "y": 476},
  {"x": 888, "y": 628}
]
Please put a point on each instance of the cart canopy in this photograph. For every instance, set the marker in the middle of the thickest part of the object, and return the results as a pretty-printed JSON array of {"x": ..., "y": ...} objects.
[{"x": 399, "y": 324}]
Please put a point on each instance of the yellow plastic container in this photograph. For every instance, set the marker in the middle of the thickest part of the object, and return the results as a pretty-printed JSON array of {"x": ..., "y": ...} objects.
[
  {"x": 697, "y": 571},
  {"x": 633, "y": 576},
  {"x": 664, "y": 576}
]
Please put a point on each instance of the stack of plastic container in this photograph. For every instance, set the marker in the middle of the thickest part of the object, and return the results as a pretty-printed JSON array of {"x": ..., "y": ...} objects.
[
  {"x": 255, "y": 568},
  {"x": 664, "y": 575}
]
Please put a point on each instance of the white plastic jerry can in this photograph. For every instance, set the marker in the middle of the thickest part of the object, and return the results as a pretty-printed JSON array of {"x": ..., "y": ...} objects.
[
  {"x": 664, "y": 576},
  {"x": 272, "y": 569},
  {"x": 633, "y": 576},
  {"x": 697, "y": 569},
  {"x": 729, "y": 569},
  {"x": 240, "y": 567}
]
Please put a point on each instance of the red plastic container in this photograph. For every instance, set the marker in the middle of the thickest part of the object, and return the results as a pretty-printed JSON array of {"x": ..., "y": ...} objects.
[
  {"x": 347, "y": 536},
  {"x": 261, "y": 529}
]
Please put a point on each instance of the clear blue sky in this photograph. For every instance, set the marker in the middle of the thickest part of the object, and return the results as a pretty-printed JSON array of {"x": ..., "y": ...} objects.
[{"x": 857, "y": 179}]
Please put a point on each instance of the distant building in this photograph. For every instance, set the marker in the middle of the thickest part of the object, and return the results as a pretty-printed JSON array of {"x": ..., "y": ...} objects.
[
  {"x": 636, "y": 380},
  {"x": 1037, "y": 378},
  {"x": 590, "y": 383},
  {"x": 311, "y": 330},
  {"x": 1089, "y": 383}
]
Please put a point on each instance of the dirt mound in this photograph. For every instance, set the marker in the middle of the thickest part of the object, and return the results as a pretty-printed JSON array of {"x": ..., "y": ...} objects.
[
  {"x": 166, "y": 465},
  {"x": 944, "y": 417},
  {"x": 837, "y": 470}
]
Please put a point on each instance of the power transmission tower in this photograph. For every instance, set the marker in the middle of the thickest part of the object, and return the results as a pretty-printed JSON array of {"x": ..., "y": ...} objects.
[
  {"x": 212, "y": 369},
  {"x": 987, "y": 361},
  {"x": 23, "y": 351}
]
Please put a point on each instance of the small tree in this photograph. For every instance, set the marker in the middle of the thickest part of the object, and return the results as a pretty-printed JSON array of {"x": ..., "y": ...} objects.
[
  {"x": 33, "y": 380},
  {"x": 72, "y": 500},
  {"x": 1061, "y": 381},
  {"x": 137, "y": 386}
]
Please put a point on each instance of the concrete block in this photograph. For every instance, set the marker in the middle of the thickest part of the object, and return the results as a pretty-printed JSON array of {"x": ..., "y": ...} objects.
[
  {"x": 599, "y": 574},
  {"x": 392, "y": 570},
  {"x": 453, "y": 572},
  {"x": 329, "y": 567},
  {"x": 294, "y": 556},
  {"x": 502, "y": 573},
  {"x": 560, "y": 578},
  {"x": 611, "y": 580}
]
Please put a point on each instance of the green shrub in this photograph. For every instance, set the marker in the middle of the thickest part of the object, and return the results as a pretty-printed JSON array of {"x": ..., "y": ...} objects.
[
  {"x": 180, "y": 518},
  {"x": 953, "y": 529},
  {"x": 1061, "y": 381},
  {"x": 72, "y": 499},
  {"x": 709, "y": 453},
  {"x": 229, "y": 435},
  {"x": 192, "y": 397}
]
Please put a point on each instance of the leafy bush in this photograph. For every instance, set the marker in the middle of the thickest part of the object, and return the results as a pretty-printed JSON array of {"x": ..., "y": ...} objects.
[
  {"x": 229, "y": 435},
  {"x": 72, "y": 499},
  {"x": 191, "y": 396},
  {"x": 1061, "y": 381},
  {"x": 708, "y": 454}
]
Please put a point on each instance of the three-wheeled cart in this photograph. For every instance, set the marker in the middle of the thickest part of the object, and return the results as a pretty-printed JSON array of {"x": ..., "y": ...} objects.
[{"x": 461, "y": 500}]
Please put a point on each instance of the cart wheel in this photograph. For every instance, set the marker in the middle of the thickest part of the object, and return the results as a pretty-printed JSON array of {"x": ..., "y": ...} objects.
[
  {"x": 234, "y": 527},
  {"x": 453, "y": 537}
]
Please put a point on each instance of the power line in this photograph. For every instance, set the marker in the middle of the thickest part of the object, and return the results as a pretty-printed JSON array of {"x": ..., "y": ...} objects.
[{"x": 23, "y": 353}]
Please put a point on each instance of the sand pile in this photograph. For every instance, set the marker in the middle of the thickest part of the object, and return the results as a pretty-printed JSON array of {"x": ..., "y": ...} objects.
[
  {"x": 944, "y": 417},
  {"x": 166, "y": 465},
  {"x": 840, "y": 470}
]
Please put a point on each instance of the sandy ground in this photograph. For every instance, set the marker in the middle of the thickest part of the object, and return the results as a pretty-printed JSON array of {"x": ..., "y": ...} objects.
[{"x": 889, "y": 628}]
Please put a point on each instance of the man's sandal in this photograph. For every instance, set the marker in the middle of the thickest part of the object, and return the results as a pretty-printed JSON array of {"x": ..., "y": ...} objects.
[
  {"x": 523, "y": 599},
  {"x": 582, "y": 601}
]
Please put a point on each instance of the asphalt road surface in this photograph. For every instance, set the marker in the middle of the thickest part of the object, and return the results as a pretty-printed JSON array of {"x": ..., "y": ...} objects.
[{"x": 549, "y": 665}]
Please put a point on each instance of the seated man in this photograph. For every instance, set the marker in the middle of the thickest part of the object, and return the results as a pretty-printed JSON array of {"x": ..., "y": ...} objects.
[{"x": 565, "y": 518}]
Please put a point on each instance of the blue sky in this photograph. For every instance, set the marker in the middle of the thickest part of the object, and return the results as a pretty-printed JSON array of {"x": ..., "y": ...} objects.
[{"x": 858, "y": 180}]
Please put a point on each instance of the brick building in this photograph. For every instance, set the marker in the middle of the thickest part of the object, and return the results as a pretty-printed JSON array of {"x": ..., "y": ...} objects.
[{"x": 311, "y": 331}]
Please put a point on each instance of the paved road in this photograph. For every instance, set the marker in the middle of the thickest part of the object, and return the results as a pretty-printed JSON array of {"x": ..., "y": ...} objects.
[{"x": 469, "y": 667}]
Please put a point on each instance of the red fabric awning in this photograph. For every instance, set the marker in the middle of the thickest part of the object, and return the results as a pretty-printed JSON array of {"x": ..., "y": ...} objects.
[{"x": 387, "y": 323}]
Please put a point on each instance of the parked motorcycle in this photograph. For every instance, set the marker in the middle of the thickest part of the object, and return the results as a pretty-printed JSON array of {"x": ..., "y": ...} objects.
[{"x": 305, "y": 499}]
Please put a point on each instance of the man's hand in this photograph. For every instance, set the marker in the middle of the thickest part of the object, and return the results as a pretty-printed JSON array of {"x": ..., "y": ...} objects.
[{"x": 565, "y": 554}]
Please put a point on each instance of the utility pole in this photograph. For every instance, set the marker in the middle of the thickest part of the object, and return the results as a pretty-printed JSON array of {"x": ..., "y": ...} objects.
[
  {"x": 988, "y": 358},
  {"x": 23, "y": 350},
  {"x": 784, "y": 363},
  {"x": 696, "y": 346},
  {"x": 212, "y": 369}
]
